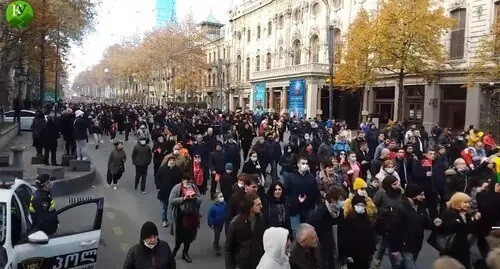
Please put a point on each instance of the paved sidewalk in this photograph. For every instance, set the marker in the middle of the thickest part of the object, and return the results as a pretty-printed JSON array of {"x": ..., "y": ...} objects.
[{"x": 25, "y": 140}]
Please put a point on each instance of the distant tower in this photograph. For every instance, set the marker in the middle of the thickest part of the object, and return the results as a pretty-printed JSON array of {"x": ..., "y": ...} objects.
[{"x": 165, "y": 12}]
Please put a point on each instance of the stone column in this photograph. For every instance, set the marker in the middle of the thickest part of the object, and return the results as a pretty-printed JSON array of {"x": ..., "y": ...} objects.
[
  {"x": 250, "y": 105},
  {"x": 365, "y": 111},
  {"x": 284, "y": 98},
  {"x": 431, "y": 114},
  {"x": 312, "y": 98},
  {"x": 271, "y": 99},
  {"x": 473, "y": 106}
]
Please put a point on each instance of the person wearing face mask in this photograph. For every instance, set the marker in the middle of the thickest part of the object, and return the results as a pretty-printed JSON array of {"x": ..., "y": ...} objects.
[
  {"x": 360, "y": 187},
  {"x": 253, "y": 167},
  {"x": 232, "y": 152},
  {"x": 456, "y": 220},
  {"x": 151, "y": 252},
  {"x": 159, "y": 152},
  {"x": 216, "y": 218},
  {"x": 185, "y": 201},
  {"x": 414, "y": 219},
  {"x": 341, "y": 145},
  {"x": 389, "y": 203},
  {"x": 287, "y": 161},
  {"x": 166, "y": 178},
  {"x": 180, "y": 160},
  {"x": 388, "y": 168},
  {"x": 277, "y": 244},
  {"x": 141, "y": 158},
  {"x": 302, "y": 193},
  {"x": 228, "y": 180},
  {"x": 325, "y": 150},
  {"x": 353, "y": 168},
  {"x": 312, "y": 157},
  {"x": 356, "y": 236},
  {"x": 328, "y": 214},
  {"x": 201, "y": 149},
  {"x": 143, "y": 133},
  {"x": 42, "y": 207}
]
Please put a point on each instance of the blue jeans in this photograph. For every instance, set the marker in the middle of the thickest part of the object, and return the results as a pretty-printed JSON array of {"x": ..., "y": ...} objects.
[
  {"x": 409, "y": 260},
  {"x": 296, "y": 220},
  {"x": 396, "y": 262},
  {"x": 164, "y": 210}
]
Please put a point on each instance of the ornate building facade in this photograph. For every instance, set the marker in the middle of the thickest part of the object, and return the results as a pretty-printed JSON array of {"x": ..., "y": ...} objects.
[{"x": 268, "y": 44}]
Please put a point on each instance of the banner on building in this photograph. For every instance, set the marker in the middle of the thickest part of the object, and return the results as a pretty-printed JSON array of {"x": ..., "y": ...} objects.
[
  {"x": 297, "y": 98},
  {"x": 259, "y": 97}
]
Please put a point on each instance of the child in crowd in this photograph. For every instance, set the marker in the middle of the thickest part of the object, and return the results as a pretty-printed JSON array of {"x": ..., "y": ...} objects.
[{"x": 216, "y": 217}]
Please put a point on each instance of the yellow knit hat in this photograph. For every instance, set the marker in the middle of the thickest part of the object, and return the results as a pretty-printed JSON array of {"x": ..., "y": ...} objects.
[{"x": 359, "y": 183}]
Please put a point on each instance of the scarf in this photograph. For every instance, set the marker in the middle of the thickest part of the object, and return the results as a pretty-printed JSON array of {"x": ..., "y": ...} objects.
[{"x": 197, "y": 174}]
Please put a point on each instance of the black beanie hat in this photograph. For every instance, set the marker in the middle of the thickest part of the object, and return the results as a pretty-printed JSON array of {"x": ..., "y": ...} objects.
[
  {"x": 358, "y": 199},
  {"x": 413, "y": 190},
  {"x": 388, "y": 181},
  {"x": 148, "y": 229}
]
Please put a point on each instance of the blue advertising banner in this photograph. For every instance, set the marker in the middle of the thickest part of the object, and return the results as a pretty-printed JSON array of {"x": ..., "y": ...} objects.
[
  {"x": 259, "y": 97},
  {"x": 297, "y": 98}
]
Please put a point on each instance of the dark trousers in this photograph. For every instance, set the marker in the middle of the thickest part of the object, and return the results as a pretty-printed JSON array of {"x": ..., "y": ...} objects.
[
  {"x": 52, "y": 151},
  {"x": 70, "y": 147},
  {"x": 113, "y": 178},
  {"x": 213, "y": 185},
  {"x": 127, "y": 133},
  {"x": 141, "y": 172},
  {"x": 39, "y": 150},
  {"x": 178, "y": 244},
  {"x": 217, "y": 232}
]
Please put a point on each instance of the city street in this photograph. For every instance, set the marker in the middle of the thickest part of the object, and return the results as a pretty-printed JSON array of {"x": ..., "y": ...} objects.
[{"x": 126, "y": 210}]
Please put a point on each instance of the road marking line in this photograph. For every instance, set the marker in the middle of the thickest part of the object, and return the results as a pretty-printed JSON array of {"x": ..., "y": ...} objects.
[
  {"x": 111, "y": 215},
  {"x": 118, "y": 231},
  {"x": 124, "y": 247}
]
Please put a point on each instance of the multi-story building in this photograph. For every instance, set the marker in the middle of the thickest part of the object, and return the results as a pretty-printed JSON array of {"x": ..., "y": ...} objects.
[{"x": 271, "y": 44}]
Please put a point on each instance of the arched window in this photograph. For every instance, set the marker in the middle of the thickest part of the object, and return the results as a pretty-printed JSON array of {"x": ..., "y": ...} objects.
[
  {"x": 268, "y": 61},
  {"x": 238, "y": 67},
  {"x": 314, "y": 43},
  {"x": 296, "y": 52},
  {"x": 269, "y": 28},
  {"x": 337, "y": 45}
]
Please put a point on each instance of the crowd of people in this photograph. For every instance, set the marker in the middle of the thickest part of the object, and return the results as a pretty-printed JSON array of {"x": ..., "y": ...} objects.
[{"x": 303, "y": 193}]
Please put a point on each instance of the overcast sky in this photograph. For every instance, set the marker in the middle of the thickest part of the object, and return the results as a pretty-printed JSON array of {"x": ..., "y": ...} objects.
[{"x": 117, "y": 19}]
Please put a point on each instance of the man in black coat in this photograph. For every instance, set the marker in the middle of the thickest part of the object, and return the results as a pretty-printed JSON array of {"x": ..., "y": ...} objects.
[
  {"x": 244, "y": 246},
  {"x": 166, "y": 178},
  {"x": 305, "y": 251}
]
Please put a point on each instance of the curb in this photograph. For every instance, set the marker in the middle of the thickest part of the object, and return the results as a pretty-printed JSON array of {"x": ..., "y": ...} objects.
[{"x": 68, "y": 186}]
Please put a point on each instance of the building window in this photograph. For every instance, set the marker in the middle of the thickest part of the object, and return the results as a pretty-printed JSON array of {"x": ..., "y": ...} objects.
[
  {"x": 337, "y": 45},
  {"x": 224, "y": 53},
  {"x": 257, "y": 63},
  {"x": 215, "y": 59},
  {"x": 458, "y": 34},
  {"x": 214, "y": 80},
  {"x": 238, "y": 68},
  {"x": 296, "y": 52},
  {"x": 269, "y": 28},
  {"x": 280, "y": 56},
  {"x": 314, "y": 49},
  {"x": 268, "y": 61},
  {"x": 248, "y": 69},
  {"x": 337, "y": 4},
  {"x": 315, "y": 9},
  {"x": 258, "y": 32},
  {"x": 281, "y": 21},
  {"x": 209, "y": 57},
  {"x": 297, "y": 15},
  {"x": 239, "y": 36},
  {"x": 248, "y": 35},
  {"x": 496, "y": 30}
]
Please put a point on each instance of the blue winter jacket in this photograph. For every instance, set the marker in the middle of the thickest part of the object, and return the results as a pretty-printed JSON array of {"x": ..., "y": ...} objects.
[{"x": 217, "y": 214}]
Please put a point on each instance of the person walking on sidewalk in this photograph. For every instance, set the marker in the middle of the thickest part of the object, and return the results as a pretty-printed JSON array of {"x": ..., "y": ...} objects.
[
  {"x": 80, "y": 128},
  {"x": 96, "y": 130},
  {"x": 141, "y": 157},
  {"x": 116, "y": 164},
  {"x": 49, "y": 136},
  {"x": 37, "y": 127},
  {"x": 216, "y": 218}
]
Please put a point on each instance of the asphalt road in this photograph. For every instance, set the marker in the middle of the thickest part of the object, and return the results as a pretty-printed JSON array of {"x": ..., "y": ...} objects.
[{"x": 126, "y": 210}]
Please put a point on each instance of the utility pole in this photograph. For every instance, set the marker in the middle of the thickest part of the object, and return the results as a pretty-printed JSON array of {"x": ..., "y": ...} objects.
[{"x": 42, "y": 58}]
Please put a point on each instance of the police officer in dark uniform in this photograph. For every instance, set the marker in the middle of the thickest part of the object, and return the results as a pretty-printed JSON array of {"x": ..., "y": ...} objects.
[{"x": 42, "y": 206}]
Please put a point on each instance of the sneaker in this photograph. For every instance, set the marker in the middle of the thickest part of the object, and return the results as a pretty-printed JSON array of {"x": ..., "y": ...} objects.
[
  {"x": 186, "y": 257},
  {"x": 85, "y": 158},
  {"x": 165, "y": 224},
  {"x": 143, "y": 192},
  {"x": 115, "y": 187},
  {"x": 78, "y": 159}
]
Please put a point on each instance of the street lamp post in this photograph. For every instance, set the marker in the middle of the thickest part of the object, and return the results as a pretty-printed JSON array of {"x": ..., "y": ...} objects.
[
  {"x": 329, "y": 29},
  {"x": 42, "y": 58}
]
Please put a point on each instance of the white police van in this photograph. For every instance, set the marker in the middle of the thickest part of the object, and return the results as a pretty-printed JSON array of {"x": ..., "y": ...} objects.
[{"x": 74, "y": 245}]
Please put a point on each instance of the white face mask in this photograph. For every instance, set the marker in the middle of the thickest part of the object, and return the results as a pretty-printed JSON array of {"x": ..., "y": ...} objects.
[
  {"x": 171, "y": 164},
  {"x": 362, "y": 193},
  {"x": 142, "y": 142},
  {"x": 360, "y": 209},
  {"x": 221, "y": 199},
  {"x": 304, "y": 168},
  {"x": 389, "y": 170},
  {"x": 254, "y": 159},
  {"x": 150, "y": 246},
  {"x": 289, "y": 150},
  {"x": 306, "y": 137},
  {"x": 240, "y": 185},
  {"x": 176, "y": 152}
]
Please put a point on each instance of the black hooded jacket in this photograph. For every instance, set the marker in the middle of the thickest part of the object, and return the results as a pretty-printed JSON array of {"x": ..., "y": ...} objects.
[{"x": 142, "y": 257}]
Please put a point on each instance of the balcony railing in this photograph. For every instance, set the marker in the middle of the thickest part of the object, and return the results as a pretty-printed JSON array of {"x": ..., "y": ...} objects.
[{"x": 289, "y": 71}]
